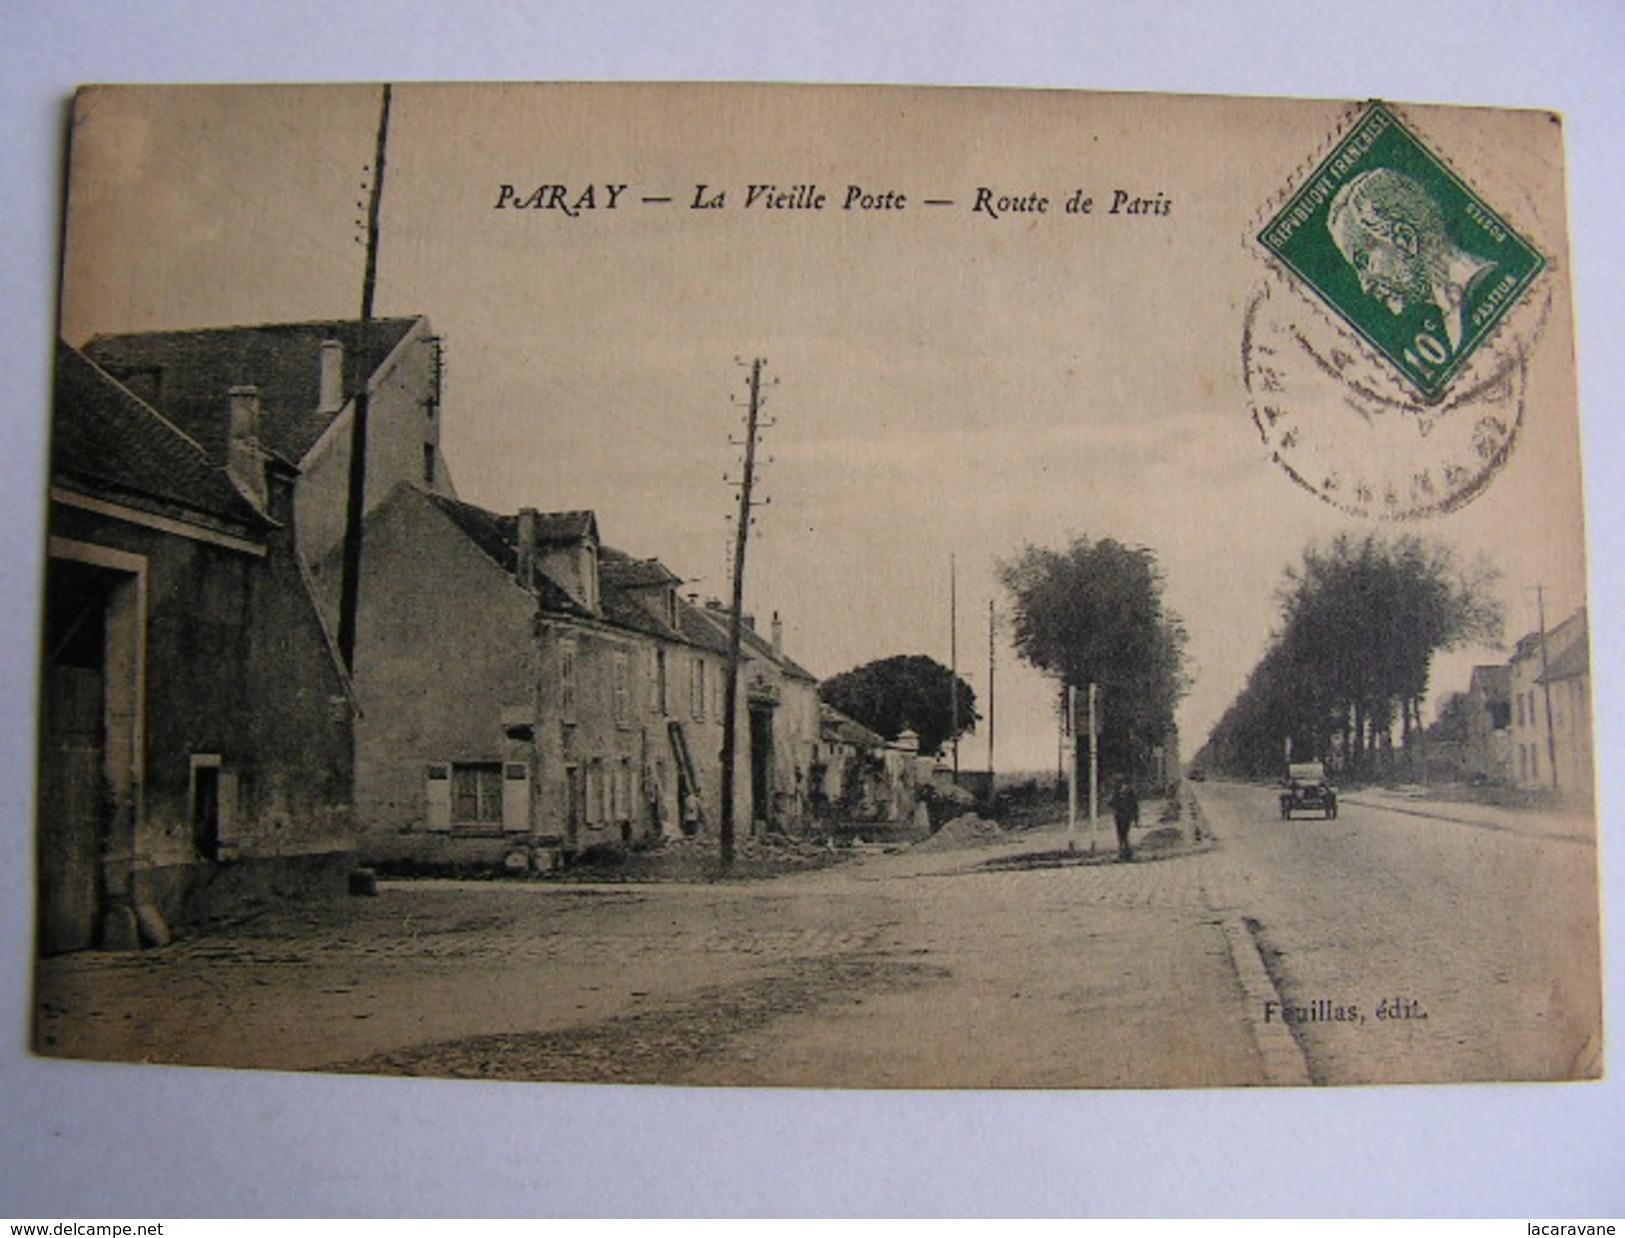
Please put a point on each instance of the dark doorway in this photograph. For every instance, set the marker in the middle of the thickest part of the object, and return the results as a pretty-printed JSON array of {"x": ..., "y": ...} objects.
[
  {"x": 75, "y": 800},
  {"x": 761, "y": 766},
  {"x": 206, "y": 811}
]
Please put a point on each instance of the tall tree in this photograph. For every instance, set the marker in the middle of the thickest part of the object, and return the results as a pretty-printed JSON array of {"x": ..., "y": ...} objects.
[
  {"x": 906, "y": 692},
  {"x": 1361, "y": 619},
  {"x": 1093, "y": 613}
]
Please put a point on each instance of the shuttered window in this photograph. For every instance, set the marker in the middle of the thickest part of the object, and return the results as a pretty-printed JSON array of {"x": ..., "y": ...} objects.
[{"x": 476, "y": 794}]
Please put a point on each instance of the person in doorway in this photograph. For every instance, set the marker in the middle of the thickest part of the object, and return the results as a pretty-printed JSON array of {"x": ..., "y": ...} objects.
[{"x": 1126, "y": 813}]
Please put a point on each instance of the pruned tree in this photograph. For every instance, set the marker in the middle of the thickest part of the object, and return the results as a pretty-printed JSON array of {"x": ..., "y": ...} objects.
[
  {"x": 905, "y": 692},
  {"x": 1093, "y": 613},
  {"x": 1361, "y": 619}
]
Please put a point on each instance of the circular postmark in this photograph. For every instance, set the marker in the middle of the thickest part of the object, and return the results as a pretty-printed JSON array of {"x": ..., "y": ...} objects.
[
  {"x": 1345, "y": 429},
  {"x": 1386, "y": 357}
]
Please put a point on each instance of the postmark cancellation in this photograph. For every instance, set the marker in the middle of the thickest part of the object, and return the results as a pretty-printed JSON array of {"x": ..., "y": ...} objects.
[{"x": 1386, "y": 356}]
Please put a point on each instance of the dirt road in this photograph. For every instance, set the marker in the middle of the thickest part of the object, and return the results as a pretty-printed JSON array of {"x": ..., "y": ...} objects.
[{"x": 924, "y": 968}]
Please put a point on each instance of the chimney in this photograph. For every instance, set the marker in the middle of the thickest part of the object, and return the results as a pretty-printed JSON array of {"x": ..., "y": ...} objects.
[
  {"x": 332, "y": 389},
  {"x": 245, "y": 460},
  {"x": 526, "y": 569},
  {"x": 778, "y": 636}
]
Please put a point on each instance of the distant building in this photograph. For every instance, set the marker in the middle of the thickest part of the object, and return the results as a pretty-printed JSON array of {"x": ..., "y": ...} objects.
[
  {"x": 1487, "y": 725},
  {"x": 1553, "y": 753},
  {"x": 195, "y": 741},
  {"x": 528, "y": 691}
]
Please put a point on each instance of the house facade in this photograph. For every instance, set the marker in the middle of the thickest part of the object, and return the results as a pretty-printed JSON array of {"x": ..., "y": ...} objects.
[
  {"x": 859, "y": 778},
  {"x": 195, "y": 743},
  {"x": 528, "y": 692},
  {"x": 1551, "y": 725}
]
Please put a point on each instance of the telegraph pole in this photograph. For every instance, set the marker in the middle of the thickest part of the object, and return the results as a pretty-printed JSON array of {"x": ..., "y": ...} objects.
[
  {"x": 990, "y": 666},
  {"x": 1546, "y": 684},
  {"x": 736, "y": 618},
  {"x": 1094, "y": 755},
  {"x": 953, "y": 660},
  {"x": 1070, "y": 724},
  {"x": 350, "y": 584}
]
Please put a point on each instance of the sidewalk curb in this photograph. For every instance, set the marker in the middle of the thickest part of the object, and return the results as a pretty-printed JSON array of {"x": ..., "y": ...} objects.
[
  {"x": 1407, "y": 810},
  {"x": 1283, "y": 1058}
]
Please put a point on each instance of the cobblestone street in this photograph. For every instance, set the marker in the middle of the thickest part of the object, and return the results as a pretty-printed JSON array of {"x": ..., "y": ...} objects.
[
  {"x": 1443, "y": 911},
  {"x": 917, "y": 969},
  {"x": 1278, "y": 955}
]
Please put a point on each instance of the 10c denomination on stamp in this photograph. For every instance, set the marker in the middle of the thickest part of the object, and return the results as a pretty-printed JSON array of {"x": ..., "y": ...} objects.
[{"x": 1404, "y": 251}]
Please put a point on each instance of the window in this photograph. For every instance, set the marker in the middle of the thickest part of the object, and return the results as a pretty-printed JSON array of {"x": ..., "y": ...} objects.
[
  {"x": 567, "y": 682},
  {"x": 428, "y": 464},
  {"x": 658, "y": 703},
  {"x": 575, "y": 799},
  {"x": 696, "y": 689},
  {"x": 476, "y": 794},
  {"x": 603, "y": 792},
  {"x": 621, "y": 805},
  {"x": 622, "y": 688},
  {"x": 1520, "y": 709}
]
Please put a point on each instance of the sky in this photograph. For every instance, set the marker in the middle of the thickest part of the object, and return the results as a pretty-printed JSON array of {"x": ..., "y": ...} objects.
[{"x": 947, "y": 385}]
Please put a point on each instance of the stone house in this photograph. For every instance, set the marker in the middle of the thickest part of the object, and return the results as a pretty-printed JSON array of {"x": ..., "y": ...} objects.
[
  {"x": 528, "y": 692},
  {"x": 782, "y": 711},
  {"x": 858, "y": 777},
  {"x": 195, "y": 744}
]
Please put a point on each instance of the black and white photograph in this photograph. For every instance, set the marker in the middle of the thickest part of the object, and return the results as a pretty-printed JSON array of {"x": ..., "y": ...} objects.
[{"x": 821, "y": 587}]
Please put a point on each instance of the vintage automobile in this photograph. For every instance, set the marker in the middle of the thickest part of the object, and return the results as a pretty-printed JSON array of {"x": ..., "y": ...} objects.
[{"x": 1306, "y": 789}]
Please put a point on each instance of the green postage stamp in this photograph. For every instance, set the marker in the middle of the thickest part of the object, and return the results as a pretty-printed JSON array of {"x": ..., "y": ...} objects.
[{"x": 1403, "y": 251}]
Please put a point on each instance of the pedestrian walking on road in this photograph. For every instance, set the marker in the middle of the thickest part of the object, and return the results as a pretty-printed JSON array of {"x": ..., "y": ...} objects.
[{"x": 1126, "y": 812}]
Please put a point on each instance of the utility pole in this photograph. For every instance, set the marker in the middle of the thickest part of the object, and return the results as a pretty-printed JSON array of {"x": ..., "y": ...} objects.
[
  {"x": 736, "y": 618},
  {"x": 1070, "y": 723},
  {"x": 991, "y": 620},
  {"x": 953, "y": 661},
  {"x": 1094, "y": 755},
  {"x": 350, "y": 584},
  {"x": 1546, "y": 684}
]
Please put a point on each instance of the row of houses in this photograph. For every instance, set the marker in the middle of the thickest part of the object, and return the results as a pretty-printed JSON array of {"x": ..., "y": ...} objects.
[
  {"x": 1526, "y": 723},
  {"x": 521, "y": 690}
]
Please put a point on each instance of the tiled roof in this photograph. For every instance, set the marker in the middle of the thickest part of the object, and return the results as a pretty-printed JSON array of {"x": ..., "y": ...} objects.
[
  {"x": 1573, "y": 661},
  {"x": 186, "y": 374},
  {"x": 698, "y": 627},
  {"x": 627, "y": 609},
  {"x": 1559, "y": 639},
  {"x": 102, "y": 435},
  {"x": 623, "y": 581},
  {"x": 837, "y": 727},
  {"x": 566, "y": 526},
  {"x": 497, "y": 536},
  {"x": 630, "y": 573},
  {"x": 717, "y": 617},
  {"x": 1494, "y": 681}
]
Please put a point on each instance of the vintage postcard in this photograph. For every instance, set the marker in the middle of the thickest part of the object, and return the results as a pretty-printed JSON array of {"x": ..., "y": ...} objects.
[{"x": 816, "y": 586}]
